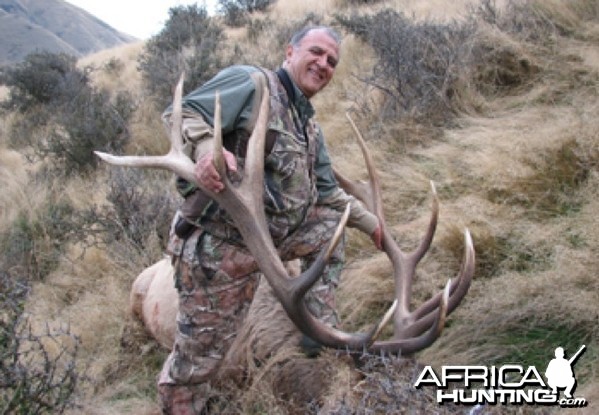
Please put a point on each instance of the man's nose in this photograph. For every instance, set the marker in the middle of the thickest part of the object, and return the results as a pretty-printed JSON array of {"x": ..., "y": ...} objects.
[{"x": 323, "y": 63}]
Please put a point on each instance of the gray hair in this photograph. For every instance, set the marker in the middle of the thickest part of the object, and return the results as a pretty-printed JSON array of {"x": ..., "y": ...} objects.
[{"x": 300, "y": 34}]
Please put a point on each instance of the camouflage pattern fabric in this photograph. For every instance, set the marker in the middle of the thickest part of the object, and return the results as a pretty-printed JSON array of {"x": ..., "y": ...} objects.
[
  {"x": 217, "y": 277},
  {"x": 289, "y": 179},
  {"x": 215, "y": 290}
]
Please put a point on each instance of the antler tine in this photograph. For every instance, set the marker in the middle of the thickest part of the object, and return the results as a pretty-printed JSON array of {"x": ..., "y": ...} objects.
[
  {"x": 373, "y": 191},
  {"x": 218, "y": 157},
  {"x": 459, "y": 285},
  {"x": 422, "y": 318},
  {"x": 412, "y": 344},
  {"x": 177, "y": 117},
  {"x": 254, "y": 162},
  {"x": 412, "y": 330},
  {"x": 174, "y": 160}
]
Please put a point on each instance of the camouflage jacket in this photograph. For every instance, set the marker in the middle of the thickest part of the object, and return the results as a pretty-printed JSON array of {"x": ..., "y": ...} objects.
[{"x": 298, "y": 171}]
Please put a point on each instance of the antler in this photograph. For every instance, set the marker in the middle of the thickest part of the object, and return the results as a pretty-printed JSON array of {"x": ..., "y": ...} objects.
[
  {"x": 418, "y": 329},
  {"x": 244, "y": 203}
]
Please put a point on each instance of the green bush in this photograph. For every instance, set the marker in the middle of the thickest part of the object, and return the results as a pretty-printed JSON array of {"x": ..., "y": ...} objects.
[
  {"x": 236, "y": 12},
  {"x": 88, "y": 122},
  {"x": 189, "y": 42},
  {"x": 43, "y": 78},
  {"x": 63, "y": 119}
]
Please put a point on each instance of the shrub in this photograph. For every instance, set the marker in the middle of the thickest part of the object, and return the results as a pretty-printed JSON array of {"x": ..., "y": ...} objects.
[
  {"x": 189, "y": 42},
  {"x": 33, "y": 246},
  {"x": 140, "y": 207},
  {"x": 66, "y": 134},
  {"x": 426, "y": 69},
  {"x": 87, "y": 123},
  {"x": 63, "y": 118},
  {"x": 236, "y": 11},
  {"x": 233, "y": 13},
  {"x": 114, "y": 66},
  {"x": 43, "y": 78},
  {"x": 38, "y": 372},
  {"x": 418, "y": 63}
]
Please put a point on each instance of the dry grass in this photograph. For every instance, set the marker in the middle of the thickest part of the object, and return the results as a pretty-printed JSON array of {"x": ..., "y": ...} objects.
[
  {"x": 14, "y": 181},
  {"x": 116, "y": 69},
  {"x": 535, "y": 287}
]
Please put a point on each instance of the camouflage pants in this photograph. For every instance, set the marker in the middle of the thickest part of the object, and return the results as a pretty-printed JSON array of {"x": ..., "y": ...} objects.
[{"x": 216, "y": 281}]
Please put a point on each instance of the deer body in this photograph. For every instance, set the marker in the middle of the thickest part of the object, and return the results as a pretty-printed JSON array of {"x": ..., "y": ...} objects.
[{"x": 154, "y": 301}]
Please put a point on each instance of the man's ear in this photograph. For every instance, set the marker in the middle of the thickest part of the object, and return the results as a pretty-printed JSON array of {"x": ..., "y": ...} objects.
[{"x": 289, "y": 51}]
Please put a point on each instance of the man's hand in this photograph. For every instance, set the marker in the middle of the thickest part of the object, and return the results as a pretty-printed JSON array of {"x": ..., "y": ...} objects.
[
  {"x": 377, "y": 237},
  {"x": 206, "y": 173}
]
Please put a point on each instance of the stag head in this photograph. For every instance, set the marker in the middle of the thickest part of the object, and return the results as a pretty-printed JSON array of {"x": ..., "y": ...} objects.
[{"x": 413, "y": 330}]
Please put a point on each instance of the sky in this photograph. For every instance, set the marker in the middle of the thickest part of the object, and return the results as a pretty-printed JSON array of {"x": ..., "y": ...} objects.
[{"x": 139, "y": 18}]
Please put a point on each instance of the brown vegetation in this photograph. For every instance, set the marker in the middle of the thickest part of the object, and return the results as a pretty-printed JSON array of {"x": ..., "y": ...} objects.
[{"x": 518, "y": 165}]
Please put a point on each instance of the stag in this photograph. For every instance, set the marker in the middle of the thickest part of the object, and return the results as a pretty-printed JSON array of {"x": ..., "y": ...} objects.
[{"x": 413, "y": 330}]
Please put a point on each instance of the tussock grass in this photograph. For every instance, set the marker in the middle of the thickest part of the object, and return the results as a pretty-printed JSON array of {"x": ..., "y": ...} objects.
[
  {"x": 14, "y": 180},
  {"x": 518, "y": 167},
  {"x": 115, "y": 69}
]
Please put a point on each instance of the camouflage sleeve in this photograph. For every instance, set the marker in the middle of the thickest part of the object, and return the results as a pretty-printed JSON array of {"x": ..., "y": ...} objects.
[
  {"x": 330, "y": 194},
  {"x": 237, "y": 89}
]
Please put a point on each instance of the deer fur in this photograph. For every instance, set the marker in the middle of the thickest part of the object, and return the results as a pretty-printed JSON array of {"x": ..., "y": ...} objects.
[
  {"x": 154, "y": 301},
  {"x": 267, "y": 333}
]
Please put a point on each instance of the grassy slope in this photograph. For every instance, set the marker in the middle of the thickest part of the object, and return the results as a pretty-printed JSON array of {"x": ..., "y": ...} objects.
[{"x": 536, "y": 287}]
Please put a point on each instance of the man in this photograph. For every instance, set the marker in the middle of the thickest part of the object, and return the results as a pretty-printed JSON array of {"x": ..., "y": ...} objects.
[{"x": 216, "y": 276}]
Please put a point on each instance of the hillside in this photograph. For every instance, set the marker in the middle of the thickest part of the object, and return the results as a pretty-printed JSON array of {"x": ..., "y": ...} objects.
[
  {"x": 53, "y": 25},
  {"x": 514, "y": 155}
]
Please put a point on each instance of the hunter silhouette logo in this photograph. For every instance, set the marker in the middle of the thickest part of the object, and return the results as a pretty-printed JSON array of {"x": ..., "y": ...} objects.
[
  {"x": 508, "y": 384},
  {"x": 559, "y": 372}
]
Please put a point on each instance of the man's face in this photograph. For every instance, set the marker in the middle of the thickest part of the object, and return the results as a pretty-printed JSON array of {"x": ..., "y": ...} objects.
[{"x": 312, "y": 63}]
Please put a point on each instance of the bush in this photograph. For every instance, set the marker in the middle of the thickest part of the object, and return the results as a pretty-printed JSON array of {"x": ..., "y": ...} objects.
[
  {"x": 63, "y": 118},
  {"x": 66, "y": 134},
  {"x": 33, "y": 246},
  {"x": 236, "y": 11},
  {"x": 426, "y": 69},
  {"x": 43, "y": 78},
  {"x": 140, "y": 207},
  {"x": 418, "y": 64},
  {"x": 38, "y": 372},
  {"x": 87, "y": 123},
  {"x": 234, "y": 14},
  {"x": 189, "y": 42}
]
